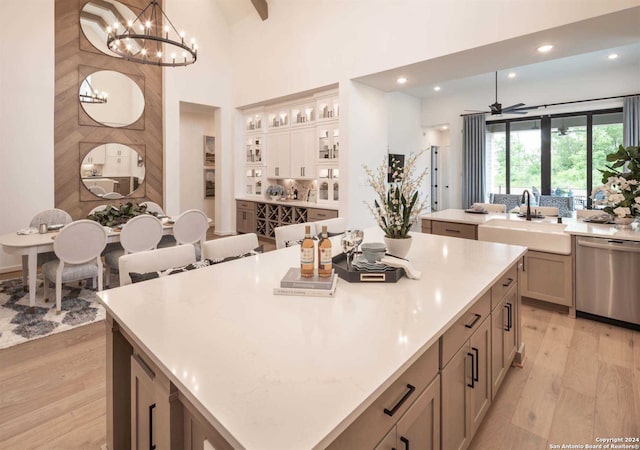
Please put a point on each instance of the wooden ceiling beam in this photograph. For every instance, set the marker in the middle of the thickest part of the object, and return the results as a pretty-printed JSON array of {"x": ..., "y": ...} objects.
[{"x": 262, "y": 7}]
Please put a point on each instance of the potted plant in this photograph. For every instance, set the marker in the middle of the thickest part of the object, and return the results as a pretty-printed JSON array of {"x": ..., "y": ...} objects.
[
  {"x": 399, "y": 203},
  {"x": 112, "y": 216},
  {"x": 275, "y": 191},
  {"x": 620, "y": 193}
]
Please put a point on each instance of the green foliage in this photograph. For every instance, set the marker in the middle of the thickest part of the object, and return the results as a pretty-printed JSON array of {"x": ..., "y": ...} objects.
[{"x": 112, "y": 216}]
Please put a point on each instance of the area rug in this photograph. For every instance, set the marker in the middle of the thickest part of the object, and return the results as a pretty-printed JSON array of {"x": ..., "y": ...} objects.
[{"x": 80, "y": 307}]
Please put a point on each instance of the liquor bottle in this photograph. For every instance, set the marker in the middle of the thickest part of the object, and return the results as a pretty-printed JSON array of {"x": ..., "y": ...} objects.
[
  {"x": 324, "y": 255},
  {"x": 307, "y": 254}
]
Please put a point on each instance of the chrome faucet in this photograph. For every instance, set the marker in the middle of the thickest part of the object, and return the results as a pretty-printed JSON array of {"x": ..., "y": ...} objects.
[{"x": 528, "y": 203}]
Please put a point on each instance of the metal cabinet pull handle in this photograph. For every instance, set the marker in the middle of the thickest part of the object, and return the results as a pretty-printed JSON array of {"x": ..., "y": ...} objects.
[
  {"x": 508, "y": 283},
  {"x": 152, "y": 446},
  {"x": 473, "y": 322},
  {"x": 448, "y": 230},
  {"x": 506, "y": 327},
  {"x": 510, "y": 316},
  {"x": 405, "y": 441},
  {"x": 473, "y": 369},
  {"x": 477, "y": 361},
  {"x": 404, "y": 398}
]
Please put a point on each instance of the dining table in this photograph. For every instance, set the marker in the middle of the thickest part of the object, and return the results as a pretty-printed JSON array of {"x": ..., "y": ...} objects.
[{"x": 31, "y": 245}]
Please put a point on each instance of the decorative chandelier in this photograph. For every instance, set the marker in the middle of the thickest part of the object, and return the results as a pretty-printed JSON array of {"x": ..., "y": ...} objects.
[
  {"x": 91, "y": 95},
  {"x": 145, "y": 40}
]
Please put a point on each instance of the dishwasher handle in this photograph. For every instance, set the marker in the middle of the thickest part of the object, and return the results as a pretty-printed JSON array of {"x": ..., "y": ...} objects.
[{"x": 618, "y": 248}]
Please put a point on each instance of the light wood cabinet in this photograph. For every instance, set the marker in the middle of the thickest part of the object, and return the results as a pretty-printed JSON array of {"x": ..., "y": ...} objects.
[
  {"x": 278, "y": 149},
  {"x": 461, "y": 230},
  {"x": 466, "y": 389},
  {"x": 426, "y": 226},
  {"x": 302, "y": 153},
  {"x": 503, "y": 337},
  {"x": 389, "y": 442},
  {"x": 245, "y": 217},
  {"x": 548, "y": 277},
  {"x": 143, "y": 404},
  {"x": 315, "y": 214},
  {"x": 420, "y": 426}
]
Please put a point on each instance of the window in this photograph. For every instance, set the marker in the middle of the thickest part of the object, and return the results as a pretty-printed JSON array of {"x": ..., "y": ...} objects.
[{"x": 552, "y": 155}]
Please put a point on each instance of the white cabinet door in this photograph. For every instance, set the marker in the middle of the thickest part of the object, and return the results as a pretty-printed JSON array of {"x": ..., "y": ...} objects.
[
  {"x": 302, "y": 154},
  {"x": 278, "y": 155}
]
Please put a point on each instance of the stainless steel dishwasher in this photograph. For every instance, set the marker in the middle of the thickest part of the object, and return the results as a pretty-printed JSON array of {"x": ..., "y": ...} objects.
[{"x": 608, "y": 278}]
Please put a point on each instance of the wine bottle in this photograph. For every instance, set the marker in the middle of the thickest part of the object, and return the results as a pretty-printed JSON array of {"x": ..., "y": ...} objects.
[
  {"x": 307, "y": 254},
  {"x": 325, "y": 264}
]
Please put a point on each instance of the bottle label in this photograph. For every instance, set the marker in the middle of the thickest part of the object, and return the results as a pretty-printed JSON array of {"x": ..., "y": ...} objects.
[
  {"x": 325, "y": 257},
  {"x": 306, "y": 255}
]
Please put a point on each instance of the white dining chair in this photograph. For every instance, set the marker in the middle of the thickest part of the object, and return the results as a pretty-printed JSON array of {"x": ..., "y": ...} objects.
[
  {"x": 97, "y": 190},
  {"x": 288, "y": 234},
  {"x": 153, "y": 208},
  {"x": 52, "y": 216},
  {"x": 229, "y": 246},
  {"x": 78, "y": 246},
  {"x": 139, "y": 234},
  {"x": 113, "y": 196},
  {"x": 155, "y": 260},
  {"x": 191, "y": 228},
  {"x": 334, "y": 226},
  {"x": 491, "y": 207}
]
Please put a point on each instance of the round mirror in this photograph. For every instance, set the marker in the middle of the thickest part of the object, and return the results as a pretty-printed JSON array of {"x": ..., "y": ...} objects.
[
  {"x": 96, "y": 16},
  {"x": 111, "y": 98},
  {"x": 112, "y": 171}
]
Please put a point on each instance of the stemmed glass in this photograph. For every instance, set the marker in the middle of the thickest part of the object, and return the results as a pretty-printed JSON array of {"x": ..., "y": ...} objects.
[{"x": 350, "y": 243}]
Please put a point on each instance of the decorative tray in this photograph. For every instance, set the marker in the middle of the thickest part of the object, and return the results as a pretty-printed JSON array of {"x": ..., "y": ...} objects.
[{"x": 391, "y": 275}]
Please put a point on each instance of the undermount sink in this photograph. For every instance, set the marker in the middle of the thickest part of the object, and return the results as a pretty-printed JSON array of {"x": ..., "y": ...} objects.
[{"x": 539, "y": 236}]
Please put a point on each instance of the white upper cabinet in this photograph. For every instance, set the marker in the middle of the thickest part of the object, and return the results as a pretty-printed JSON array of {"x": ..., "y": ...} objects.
[
  {"x": 278, "y": 165},
  {"x": 278, "y": 118},
  {"x": 302, "y": 153},
  {"x": 254, "y": 122},
  {"x": 328, "y": 144},
  {"x": 328, "y": 108},
  {"x": 303, "y": 114}
]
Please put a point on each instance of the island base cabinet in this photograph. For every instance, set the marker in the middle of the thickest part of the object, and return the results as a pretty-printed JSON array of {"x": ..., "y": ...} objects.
[
  {"x": 419, "y": 427},
  {"x": 503, "y": 338},
  {"x": 548, "y": 277},
  {"x": 466, "y": 389}
]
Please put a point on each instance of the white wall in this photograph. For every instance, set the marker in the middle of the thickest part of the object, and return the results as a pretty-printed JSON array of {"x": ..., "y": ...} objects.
[
  {"x": 207, "y": 82},
  {"x": 306, "y": 44},
  {"x": 610, "y": 81},
  {"x": 26, "y": 114},
  {"x": 194, "y": 124}
]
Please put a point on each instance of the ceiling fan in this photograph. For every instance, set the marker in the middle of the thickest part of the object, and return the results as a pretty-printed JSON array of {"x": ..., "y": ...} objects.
[{"x": 496, "y": 108}]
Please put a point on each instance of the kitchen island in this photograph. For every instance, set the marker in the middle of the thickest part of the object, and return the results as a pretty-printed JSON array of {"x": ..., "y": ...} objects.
[{"x": 227, "y": 361}]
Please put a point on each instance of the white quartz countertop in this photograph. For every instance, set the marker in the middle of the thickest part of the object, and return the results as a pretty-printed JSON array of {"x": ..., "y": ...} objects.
[
  {"x": 290, "y": 203},
  {"x": 287, "y": 372},
  {"x": 574, "y": 226}
]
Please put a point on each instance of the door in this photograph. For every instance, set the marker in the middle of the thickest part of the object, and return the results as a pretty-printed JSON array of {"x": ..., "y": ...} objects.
[
  {"x": 419, "y": 428},
  {"x": 479, "y": 390},
  {"x": 143, "y": 405},
  {"x": 455, "y": 378}
]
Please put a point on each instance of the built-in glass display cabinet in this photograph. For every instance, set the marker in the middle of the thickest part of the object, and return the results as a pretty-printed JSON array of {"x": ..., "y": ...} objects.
[
  {"x": 328, "y": 184},
  {"x": 328, "y": 143}
]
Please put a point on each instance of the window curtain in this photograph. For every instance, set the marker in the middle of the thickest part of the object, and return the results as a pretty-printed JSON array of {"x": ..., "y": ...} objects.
[
  {"x": 631, "y": 121},
  {"x": 473, "y": 159}
]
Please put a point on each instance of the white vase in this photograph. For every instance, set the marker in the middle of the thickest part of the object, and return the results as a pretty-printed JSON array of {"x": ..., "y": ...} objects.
[
  {"x": 398, "y": 247},
  {"x": 623, "y": 222}
]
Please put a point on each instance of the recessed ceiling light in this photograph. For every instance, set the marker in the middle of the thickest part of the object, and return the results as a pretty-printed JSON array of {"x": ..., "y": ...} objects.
[
  {"x": 401, "y": 80},
  {"x": 613, "y": 56},
  {"x": 512, "y": 75},
  {"x": 436, "y": 88},
  {"x": 444, "y": 127},
  {"x": 545, "y": 48}
]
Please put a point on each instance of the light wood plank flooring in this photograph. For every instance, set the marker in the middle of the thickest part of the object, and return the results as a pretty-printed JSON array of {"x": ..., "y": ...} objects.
[{"x": 581, "y": 380}]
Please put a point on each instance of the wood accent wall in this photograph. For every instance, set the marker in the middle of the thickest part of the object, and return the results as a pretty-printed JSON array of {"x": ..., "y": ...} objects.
[{"x": 72, "y": 133}]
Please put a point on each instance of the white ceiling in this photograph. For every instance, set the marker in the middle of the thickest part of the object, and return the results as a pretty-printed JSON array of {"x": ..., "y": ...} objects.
[{"x": 579, "y": 46}]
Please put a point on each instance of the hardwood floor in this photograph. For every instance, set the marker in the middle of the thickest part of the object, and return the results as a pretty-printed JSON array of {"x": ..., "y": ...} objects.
[{"x": 581, "y": 380}]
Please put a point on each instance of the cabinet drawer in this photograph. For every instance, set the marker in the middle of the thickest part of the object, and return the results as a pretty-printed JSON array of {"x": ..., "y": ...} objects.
[
  {"x": 460, "y": 331},
  {"x": 241, "y": 204},
  {"x": 314, "y": 215},
  {"x": 502, "y": 286},
  {"x": 373, "y": 424},
  {"x": 460, "y": 230},
  {"x": 426, "y": 226}
]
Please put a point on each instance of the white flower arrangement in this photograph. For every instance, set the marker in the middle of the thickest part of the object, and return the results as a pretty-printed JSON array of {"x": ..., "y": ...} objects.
[
  {"x": 620, "y": 193},
  {"x": 398, "y": 204}
]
